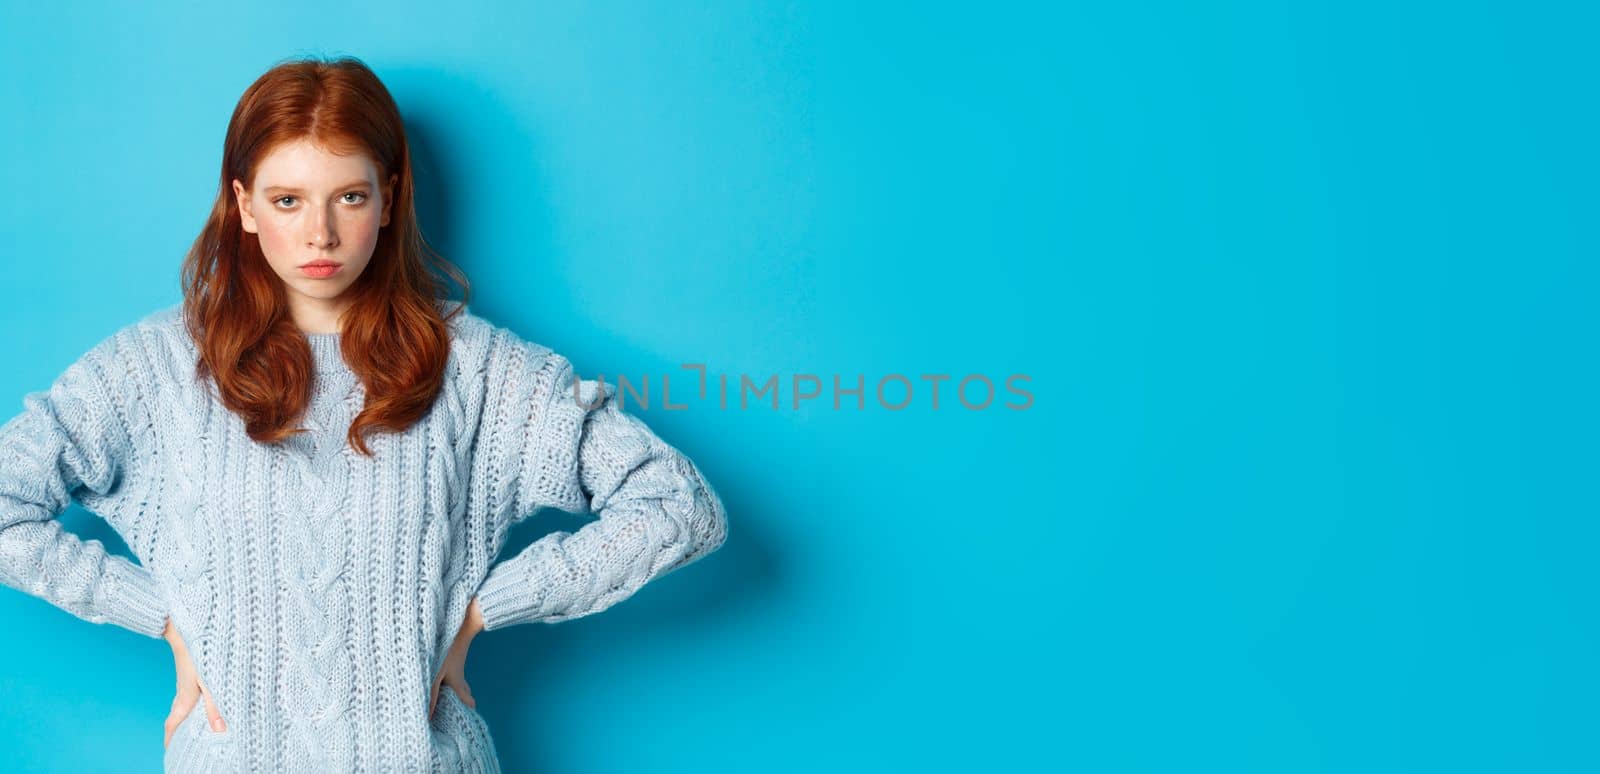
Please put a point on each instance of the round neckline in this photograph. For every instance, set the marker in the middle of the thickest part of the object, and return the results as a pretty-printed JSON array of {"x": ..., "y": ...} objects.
[{"x": 325, "y": 352}]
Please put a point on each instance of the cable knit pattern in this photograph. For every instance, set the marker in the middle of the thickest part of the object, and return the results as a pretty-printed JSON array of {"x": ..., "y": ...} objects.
[{"x": 319, "y": 590}]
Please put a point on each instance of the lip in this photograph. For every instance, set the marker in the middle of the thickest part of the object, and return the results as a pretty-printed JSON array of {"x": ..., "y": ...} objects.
[{"x": 320, "y": 269}]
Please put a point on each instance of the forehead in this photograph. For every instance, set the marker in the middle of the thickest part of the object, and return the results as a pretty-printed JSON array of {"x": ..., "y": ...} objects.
[{"x": 301, "y": 163}]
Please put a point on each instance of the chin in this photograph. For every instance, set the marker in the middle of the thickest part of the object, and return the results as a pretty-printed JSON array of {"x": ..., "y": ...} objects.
[{"x": 322, "y": 292}]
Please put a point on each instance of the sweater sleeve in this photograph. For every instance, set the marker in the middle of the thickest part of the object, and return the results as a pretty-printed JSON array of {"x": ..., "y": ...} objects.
[
  {"x": 69, "y": 443},
  {"x": 655, "y": 510}
]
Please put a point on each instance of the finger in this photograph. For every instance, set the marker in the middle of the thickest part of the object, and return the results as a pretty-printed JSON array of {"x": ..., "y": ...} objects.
[
  {"x": 212, "y": 714},
  {"x": 465, "y": 693}
]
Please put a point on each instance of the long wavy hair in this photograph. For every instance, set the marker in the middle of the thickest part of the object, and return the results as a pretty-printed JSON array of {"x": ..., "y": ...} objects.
[{"x": 393, "y": 336}]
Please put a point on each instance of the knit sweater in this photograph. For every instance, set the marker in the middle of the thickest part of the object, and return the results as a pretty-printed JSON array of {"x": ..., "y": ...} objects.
[{"x": 318, "y": 590}]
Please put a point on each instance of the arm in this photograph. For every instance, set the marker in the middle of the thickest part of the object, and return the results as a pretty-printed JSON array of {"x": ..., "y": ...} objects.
[
  {"x": 68, "y": 443},
  {"x": 655, "y": 511}
]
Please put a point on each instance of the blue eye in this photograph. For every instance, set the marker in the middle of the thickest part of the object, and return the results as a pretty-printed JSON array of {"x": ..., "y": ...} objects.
[{"x": 363, "y": 197}]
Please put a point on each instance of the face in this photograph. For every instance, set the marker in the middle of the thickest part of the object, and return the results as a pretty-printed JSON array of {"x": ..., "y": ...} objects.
[{"x": 311, "y": 207}]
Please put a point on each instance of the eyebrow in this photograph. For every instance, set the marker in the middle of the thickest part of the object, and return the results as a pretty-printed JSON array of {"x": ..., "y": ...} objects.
[{"x": 291, "y": 189}]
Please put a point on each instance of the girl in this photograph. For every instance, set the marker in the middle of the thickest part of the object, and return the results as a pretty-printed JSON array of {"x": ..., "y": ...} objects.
[{"x": 316, "y": 460}]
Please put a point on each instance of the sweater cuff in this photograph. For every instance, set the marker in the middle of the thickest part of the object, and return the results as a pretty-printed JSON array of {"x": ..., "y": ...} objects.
[
  {"x": 133, "y": 599},
  {"x": 507, "y": 595}
]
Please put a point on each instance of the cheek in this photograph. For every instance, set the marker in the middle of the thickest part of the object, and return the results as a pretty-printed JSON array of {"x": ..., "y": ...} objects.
[
  {"x": 358, "y": 237},
  {"x": 363, "y": 230},
  {"x": 276, "y": 240}
]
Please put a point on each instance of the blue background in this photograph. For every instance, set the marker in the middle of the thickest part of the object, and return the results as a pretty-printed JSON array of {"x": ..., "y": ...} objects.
[{"x": 1306, "y": 294}]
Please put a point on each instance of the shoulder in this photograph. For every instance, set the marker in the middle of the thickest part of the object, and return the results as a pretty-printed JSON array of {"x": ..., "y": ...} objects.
[
  {"x": 504, "y": 368},
  {"x": 156, "y": 348},
  {"x": 493, "y": 348},
  {"x": 160, "y": 332},
  {"x": 119, "y": 377},
  {"x": 137, "y": 352}
]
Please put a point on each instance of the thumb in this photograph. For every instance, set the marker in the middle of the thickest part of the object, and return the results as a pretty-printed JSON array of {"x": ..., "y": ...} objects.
[{"x": 181, "y": 704}]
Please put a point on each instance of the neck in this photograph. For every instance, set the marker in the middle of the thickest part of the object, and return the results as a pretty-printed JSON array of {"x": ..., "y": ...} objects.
[{"x": 316, "y": 315}]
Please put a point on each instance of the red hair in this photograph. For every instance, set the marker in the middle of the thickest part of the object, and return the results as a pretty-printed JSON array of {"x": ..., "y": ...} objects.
[{"x": 394, "y": 335}]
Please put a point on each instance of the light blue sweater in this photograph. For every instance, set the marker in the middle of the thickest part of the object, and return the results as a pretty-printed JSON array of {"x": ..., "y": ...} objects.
[{"x": 319, "y": 590}]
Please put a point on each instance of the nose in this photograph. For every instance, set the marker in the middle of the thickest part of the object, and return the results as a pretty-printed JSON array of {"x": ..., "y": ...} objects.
[{"x": 322, "y": 235}]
